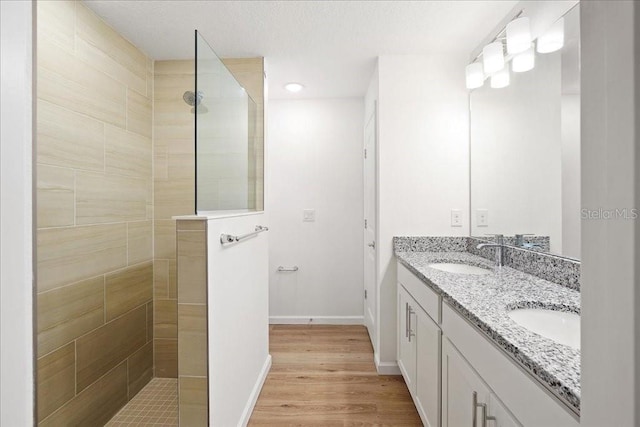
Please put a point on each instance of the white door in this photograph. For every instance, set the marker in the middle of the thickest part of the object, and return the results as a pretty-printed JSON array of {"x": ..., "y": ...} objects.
[{"x": 369, "y": 224}]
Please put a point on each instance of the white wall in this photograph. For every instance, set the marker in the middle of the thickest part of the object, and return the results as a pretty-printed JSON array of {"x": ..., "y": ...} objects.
[
  {"x": 315, "y": 155},
  {"x": 238, "y": 295},
  {"x": 610, "y": 248},
  {"x": 16, "y": 271},
  {"x": 423, "y": 164}
]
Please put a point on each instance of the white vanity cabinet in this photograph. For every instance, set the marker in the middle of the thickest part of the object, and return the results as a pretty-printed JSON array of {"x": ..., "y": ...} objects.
[
  {"x": 455, "y": 373},
  {"x": 419, "y": 351}
]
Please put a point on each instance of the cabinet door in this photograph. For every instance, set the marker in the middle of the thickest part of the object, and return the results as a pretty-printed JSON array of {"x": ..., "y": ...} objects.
[
  {"x": 428, "y": 346},
  {"x": 406, "y": 340},
  {"x": 459, "y": 383},
  {"x": 502, "y": 416}
]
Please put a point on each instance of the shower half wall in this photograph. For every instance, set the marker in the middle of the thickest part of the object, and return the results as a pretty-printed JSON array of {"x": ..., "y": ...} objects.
[{"x": 174, "y": 182}]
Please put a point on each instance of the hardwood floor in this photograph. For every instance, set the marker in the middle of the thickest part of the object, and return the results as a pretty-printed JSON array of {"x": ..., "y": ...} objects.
[{"x": 325, "y": 376}]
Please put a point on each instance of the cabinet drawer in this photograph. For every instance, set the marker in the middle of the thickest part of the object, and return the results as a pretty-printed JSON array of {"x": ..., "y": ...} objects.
[{"x": 420, "y": 291}]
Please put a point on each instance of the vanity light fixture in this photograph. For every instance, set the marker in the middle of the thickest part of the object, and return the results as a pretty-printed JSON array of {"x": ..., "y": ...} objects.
[
  {"x": 475, "y": 75},
  {"x": 501, "y": 78},
  {"x": 518, "y": 35},
  {"x": 493, "y": 57},
  {"x": 524, "y": 61},
  {"x": 553, "y": 39},
  {"x": 293, "y": 87}
]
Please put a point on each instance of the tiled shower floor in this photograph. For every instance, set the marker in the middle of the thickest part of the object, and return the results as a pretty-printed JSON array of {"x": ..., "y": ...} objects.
[{"x": 155, "y": 405}]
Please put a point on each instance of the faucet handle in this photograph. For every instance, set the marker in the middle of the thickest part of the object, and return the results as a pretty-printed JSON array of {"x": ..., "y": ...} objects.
[
  {"x": 499, "y": 238},
  {"x": 520, "y": 238}
]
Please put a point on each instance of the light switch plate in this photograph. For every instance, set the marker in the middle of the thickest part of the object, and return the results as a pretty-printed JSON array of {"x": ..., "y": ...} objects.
[
  {"x": 456, "y": 218},
  {"x": 482, "y": 217},
  {"x": 309, "y": 215}
]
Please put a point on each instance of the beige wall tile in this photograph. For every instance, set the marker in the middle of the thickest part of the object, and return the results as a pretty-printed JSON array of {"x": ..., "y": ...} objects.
[
  {"x": 194, "y": 401},
  {"x": 191, "y": 225},
  {"x": 127, "y": 289},
  {"x": 95, "y": 405},
  {"x": 69, "y": 139},
  {"x": 166, "y": 357},
  {"x": 67, "y": 255},
  {"x": 140, "y": 366},
  {"x": 174, "y": 197},
  {"x": 173, "y": 279},
  {"x": 139, "y": 113},
  {"x": 192, "y": 279},
  {"x": 139, "y": 241},
  {"x": 66, "y": 313},
  {"x": 101, "y": 350},
  {"x": 161, "y": 279},
  {"x": 109, "y": 198},
  {"x": 172, "y": 67},
  {"x": 160, "y": 163},
  {"x": 192, "y": 339},
  {"x": 56, "y": 197},
  {"x": 94, "y": 31},
  {"x": 192, "y": 243},
  {"x": 150, "y": 322},
  {"x": 127, "y": 153},
  {"x": 69, "y": 82},
  {"x": 56, "y": 22},
  {"x": 165, "y": 318},
  {"x": 164, "y": 239},
  {"x": 56, "y": 379},
  {"x": 101, "y": 60}
]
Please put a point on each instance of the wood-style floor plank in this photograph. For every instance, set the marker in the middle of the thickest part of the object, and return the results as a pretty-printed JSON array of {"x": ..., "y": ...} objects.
[{"x": 324, "y": 375}]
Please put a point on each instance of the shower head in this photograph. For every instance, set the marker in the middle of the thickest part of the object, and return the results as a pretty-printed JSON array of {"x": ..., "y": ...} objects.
[{"x": 193, "y": 99}]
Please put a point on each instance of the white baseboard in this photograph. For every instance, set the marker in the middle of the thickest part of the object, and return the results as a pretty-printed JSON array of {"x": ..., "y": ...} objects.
[
  {"x": 316, "y": 320},
  {"x": 255, "y": 393},
  {"x": 386, "y": 368}
]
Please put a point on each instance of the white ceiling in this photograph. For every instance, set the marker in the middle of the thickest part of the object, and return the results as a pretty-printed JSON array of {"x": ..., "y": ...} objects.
[{"x": 328, "y": 46}]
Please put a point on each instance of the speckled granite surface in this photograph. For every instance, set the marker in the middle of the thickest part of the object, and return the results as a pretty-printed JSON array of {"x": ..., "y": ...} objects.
[
  {"x": 563, "y": 271},
  {"x": 485, "y": 300}
]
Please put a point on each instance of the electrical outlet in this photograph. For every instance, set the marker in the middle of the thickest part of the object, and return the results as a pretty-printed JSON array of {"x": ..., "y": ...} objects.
[
  {"x": 456, "y": 218},
  {"x": 482, "y": 217},
  {"x": 309, "y": 215}
]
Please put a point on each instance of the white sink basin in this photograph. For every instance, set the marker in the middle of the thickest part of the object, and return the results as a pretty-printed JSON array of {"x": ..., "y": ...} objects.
[
  {"x": 559, "y": 326},
  {"x": 450, "y": 267}
]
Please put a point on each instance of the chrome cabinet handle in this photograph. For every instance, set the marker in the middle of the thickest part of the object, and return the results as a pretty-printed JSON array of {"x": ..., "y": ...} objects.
[
  {"x": 483, "y": 406},
  {"x": 411, "y": 334},
  {"x": 406, "y": 319},
  {"x": 372, "y": 244}
]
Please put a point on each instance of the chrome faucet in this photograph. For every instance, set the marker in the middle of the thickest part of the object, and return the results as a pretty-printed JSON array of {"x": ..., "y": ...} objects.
[{"x": 499, "y": 245}]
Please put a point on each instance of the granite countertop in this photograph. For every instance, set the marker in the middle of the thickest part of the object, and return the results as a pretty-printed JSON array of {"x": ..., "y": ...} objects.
[{"x": 484, "y": 300}]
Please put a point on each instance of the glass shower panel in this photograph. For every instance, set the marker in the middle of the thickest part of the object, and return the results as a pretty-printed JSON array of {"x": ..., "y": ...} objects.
[{"x": 228, "y": 148}]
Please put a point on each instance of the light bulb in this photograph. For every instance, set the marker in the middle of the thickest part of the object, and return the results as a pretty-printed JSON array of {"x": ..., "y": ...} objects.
[
  {"x": 500, "y": 79},
  {"x": 518, "y": 35},
  {"x": 553, "y": 39},
  {"x": 475, "y": 75},
  {"x": 524, "y": 61},
  {"x": 493, "y": 57}
]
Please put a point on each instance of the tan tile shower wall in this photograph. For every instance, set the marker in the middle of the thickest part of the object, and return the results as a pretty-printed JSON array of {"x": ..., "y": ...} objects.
[
  {"x": 174, "y": 183},
  {"x": 95, "y": 228},
  {"x": 174, "y": 194},
  {"x": 192, "y": 322}
]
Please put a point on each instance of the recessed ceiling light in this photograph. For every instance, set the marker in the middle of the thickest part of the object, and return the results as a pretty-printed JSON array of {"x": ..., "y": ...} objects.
[{"x": 293, "y": 87}]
